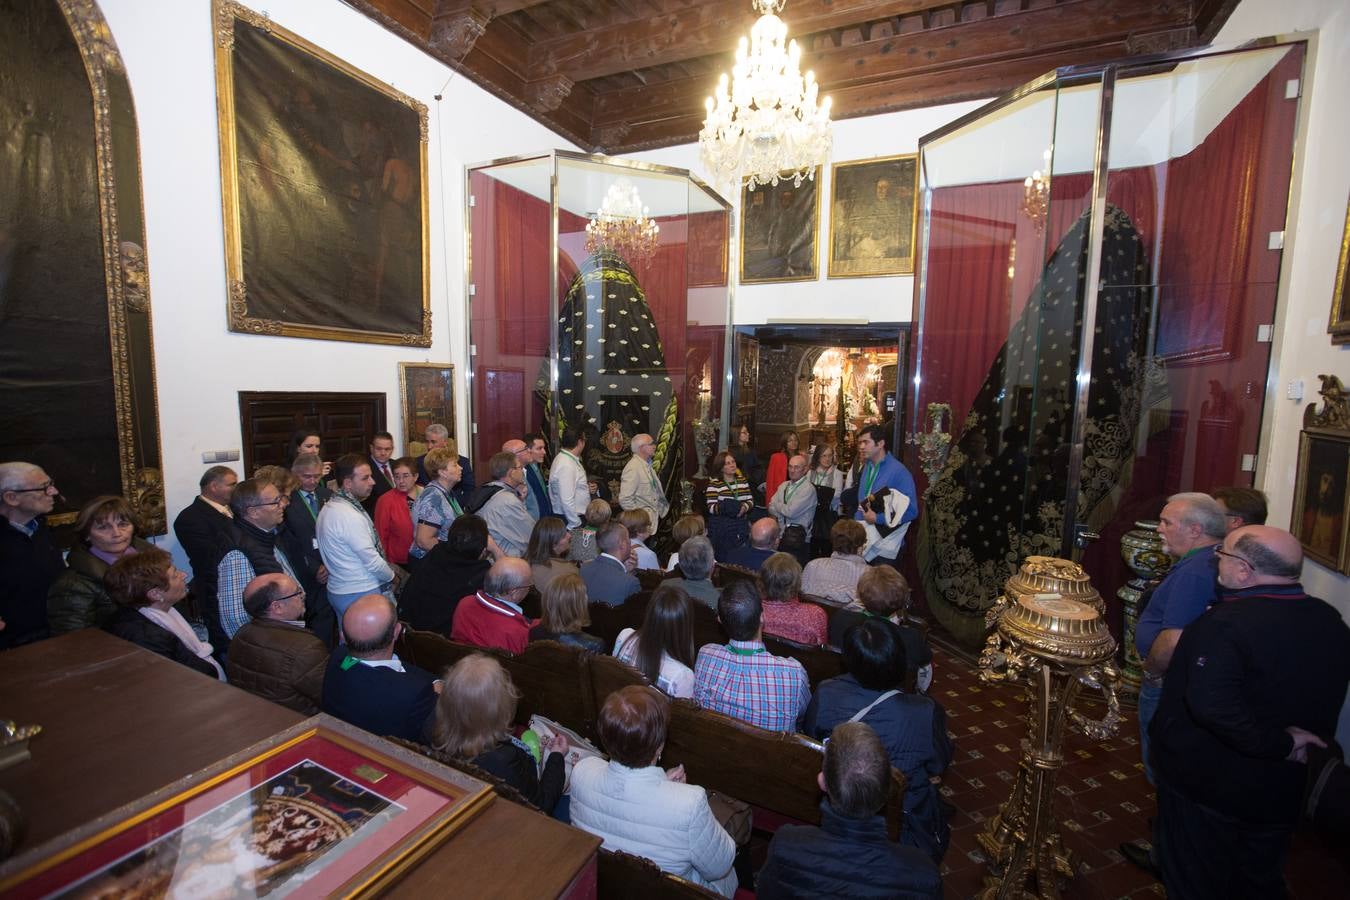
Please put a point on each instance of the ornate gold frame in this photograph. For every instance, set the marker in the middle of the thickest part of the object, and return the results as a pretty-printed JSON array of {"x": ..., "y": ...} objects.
[
  {"x": 815, "y": 236},
  {"x": 224, "y": 13},
  {"x": 406, "y": 399},
  {"x": 1329, "y": 425},
  {"x": 906, "y": 267},
  {"x": 1339, "y": 325},
  {"x": 121, "y": 210}
]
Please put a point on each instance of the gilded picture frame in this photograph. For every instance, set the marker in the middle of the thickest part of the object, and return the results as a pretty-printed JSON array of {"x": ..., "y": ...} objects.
[
  {"x": 324, "y": 190},
  {"x": 872, "y": 216},
  {"x": 371, "y": 811},
  {"x": 780, "y": 225},
  {"x": 1339, "y": 326},
  {"x": 1321, "y": 514},
  {"x": 428, "y": 397}
]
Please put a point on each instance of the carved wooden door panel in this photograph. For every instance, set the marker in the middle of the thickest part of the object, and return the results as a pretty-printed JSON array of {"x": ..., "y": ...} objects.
[{"x": 347, "y": 422}]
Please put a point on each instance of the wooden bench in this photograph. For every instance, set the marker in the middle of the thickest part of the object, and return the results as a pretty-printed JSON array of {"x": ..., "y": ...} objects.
[
  {"x": 724, "y": 574},
  {"x": 650, "y": 579},
  {"x": 623, "y": 876},
  {"x": 608, "y": 621}
]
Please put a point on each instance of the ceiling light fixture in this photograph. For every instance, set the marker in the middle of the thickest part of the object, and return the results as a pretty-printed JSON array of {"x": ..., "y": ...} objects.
[
  {"x": 764, "y": 123},
  {"x": 622, "y": 224}
]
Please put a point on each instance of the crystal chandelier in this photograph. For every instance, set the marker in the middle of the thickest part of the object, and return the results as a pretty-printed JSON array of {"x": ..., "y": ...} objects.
[
  {"x": 622, "y": 224},
  {"x": 1036, "y": 194},
  {"x": 764, "y": 122}
]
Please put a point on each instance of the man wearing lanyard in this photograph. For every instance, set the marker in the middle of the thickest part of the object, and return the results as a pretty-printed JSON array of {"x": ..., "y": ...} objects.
[
  {"x": 347, "y": 540},
  {"x": 302, "y": 543},
  {"x": 568, "y": 490},
  {"x": 534, "y": 457},
  {"x": 743, "y": 680},
  {"x": 794, "y": 503},
  {"x": 882, "y": 470},
  {"x": 1252, "y": 683},
  {"x": 639, "y": 487}
]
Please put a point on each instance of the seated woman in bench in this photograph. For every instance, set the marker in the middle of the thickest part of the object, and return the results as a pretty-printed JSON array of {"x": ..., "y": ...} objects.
[
  {"x": 473, "y": 722},
  {"x": 638, "y": 808},
  {"x": 565, "y": 615},
  {"x": 663, "y": 649}
]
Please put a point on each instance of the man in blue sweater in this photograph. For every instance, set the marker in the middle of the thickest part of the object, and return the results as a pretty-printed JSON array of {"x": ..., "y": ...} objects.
[{"x": 881, "y": 474}]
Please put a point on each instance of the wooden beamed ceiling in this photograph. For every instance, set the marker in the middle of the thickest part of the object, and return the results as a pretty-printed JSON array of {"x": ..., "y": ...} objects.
[{"x": 615, "y": 76}]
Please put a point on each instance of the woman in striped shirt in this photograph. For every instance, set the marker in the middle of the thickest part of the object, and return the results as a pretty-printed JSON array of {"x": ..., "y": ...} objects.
[{"x": 729, "y": 500}]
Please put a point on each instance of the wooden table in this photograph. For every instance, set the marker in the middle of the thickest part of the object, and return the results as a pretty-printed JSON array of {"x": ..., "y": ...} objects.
[{"x": 119, "y": 723}]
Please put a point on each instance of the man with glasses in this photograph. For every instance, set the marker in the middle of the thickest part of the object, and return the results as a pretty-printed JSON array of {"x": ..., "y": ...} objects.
[
  {"x": 254, "y": 550},
  {"x": 29, "y": 560},
  {"x": 1253, "y": 684},
  {"x": 493, "y": 617},
  {"x": 639, "y": 486},
  {"x": 1191, "y": 526},
  {"x": 507, "y": 519},
  {"x": 273, "y": 656}
]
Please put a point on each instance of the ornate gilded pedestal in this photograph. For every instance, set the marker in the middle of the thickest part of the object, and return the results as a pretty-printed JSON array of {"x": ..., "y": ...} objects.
[
  {"x": 1142, "y": 550},
  {"x": 1051, "y": 638}
]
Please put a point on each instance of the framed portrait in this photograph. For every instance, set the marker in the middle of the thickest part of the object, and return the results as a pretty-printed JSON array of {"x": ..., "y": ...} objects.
[
  {"x": 1320, "y": 496},
  {"x": 707, "y": 251},
  {"x": 320, "y": 809},
  {"x": 324, "y": 189},
  {"x": 778, "y": 231},
  {"x": 1340, "y": 297},
  {"x": 872, "y": 217},
  {"x": 428, "y": 391}
]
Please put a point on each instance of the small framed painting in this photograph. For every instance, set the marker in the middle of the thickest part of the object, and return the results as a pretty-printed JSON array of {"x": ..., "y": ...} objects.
[{"x": 428, "y": 391}]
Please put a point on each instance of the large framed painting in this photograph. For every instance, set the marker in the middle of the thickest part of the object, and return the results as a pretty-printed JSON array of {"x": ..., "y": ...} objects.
[
  {"x": 428, "y": 391},
  {"x": 1322, "y": 490},
  {"x": 1340, "y": 297},
  {"x": 778, "y": 234},
  {"x": 321, "y": 809},
  {"x": 872, "y": 217},
  {"x": 324, "y": 178}
]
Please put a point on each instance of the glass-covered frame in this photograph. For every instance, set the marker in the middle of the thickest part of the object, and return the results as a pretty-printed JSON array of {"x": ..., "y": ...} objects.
[
  {"x": 531, "y": 275},
  {"x": 1100, "y": 246}
]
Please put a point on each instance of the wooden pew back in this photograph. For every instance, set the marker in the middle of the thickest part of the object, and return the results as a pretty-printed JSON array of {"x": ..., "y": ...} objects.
[{"x": 622, "y": 876}]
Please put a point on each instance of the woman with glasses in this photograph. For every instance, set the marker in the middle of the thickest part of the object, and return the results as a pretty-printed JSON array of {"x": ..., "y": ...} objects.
[
  {"x": 393, "y": 512},
  {"x": 105, "y": 532}
]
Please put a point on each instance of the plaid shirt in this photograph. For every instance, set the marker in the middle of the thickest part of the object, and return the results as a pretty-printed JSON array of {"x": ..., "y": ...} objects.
[
  {"x": 234, "y": 574},
  {"x": 755, "y": 686}
]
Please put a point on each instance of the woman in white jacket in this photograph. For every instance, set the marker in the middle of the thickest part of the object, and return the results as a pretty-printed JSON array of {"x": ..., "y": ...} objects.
[{"x": 638, "y": 808}]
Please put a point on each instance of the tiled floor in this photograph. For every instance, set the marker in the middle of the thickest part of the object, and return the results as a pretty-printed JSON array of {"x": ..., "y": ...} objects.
[{"x": 1104, "y": 798}]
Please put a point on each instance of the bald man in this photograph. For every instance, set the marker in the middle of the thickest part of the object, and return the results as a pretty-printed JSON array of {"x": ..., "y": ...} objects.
[
  {"x": 764, "y": 537},
  {"x": 367, "y": 685},
  {"x": 1253, "y": 682},
  {"x": 273, "y": 656},
  {"x": 639, "y": 487},
  {"x": 794, "y": 503},
  {"x": 492, "y": 617}
]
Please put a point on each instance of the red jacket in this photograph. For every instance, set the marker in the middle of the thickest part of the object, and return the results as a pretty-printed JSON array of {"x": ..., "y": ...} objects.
[{"x": 486, "y": 622}]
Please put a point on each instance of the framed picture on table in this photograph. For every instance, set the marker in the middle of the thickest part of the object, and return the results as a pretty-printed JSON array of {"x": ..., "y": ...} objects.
[{"x": 320, "y": 809}]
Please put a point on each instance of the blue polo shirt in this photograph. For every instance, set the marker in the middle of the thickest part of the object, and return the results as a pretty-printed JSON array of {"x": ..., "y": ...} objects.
[{"x": 1187, "y": 591}]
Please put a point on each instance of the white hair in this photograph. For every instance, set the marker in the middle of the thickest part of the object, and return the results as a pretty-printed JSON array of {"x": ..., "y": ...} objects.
[
  {"x": 638, "y": 441},
  {"x": 14, "y": 474},
  {"x": 437, "y": 431}
]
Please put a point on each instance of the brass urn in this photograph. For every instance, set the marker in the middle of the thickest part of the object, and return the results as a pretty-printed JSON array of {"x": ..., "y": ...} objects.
[{"x": 1049, "y": 636}]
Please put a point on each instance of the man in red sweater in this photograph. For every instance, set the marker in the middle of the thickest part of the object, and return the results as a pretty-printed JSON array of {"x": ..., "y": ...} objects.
[{"x": 492, "y": 617}]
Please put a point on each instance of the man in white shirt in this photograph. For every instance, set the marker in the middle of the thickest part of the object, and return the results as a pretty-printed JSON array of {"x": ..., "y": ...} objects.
[
  {"x": 794, "y": 503},
  {"x": 347, "y": 540},
  {"x": 507, "y": 519},
  {"x": 639, "y": 487},
  {"x": 568, "y": 490}
]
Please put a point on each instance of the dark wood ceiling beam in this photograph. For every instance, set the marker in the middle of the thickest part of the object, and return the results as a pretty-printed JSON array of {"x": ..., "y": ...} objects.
[
  {"x": 492, "y": 9},
  {"x": 1075, "y": 26},
  {"x": 697, "y": 30}
]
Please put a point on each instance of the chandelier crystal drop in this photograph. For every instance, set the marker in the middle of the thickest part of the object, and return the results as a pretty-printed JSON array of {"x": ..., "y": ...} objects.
[
  {"x": 622, "y": 224},
  {"x": 764, "y": 122}
]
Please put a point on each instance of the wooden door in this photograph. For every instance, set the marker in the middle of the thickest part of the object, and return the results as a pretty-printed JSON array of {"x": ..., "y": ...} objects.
[{"x": 347, "y": 422}]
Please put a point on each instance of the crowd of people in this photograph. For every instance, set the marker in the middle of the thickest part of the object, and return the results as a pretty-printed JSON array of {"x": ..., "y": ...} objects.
[{"x": 305, "y": 575}]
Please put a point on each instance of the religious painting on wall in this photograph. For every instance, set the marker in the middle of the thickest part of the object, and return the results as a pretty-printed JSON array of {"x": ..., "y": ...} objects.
[
  {"x": 318, "y": 810},
  {"x": 1322, "y": 492},
  {"x": 1340, "y": 297},
  {"x": 324, "y": 177},
  {"x": 872, "y": 217},
  {"x": 778, "y": 234},
  {"x": 708, "y": 249},
  {"x": 428, "y": 391}
]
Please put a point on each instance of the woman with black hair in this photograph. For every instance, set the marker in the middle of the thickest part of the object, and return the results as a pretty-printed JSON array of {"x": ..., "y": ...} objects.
[
  {"x": 912, "y": 727},
  {"x": 663, "y": 649},
  {"x": 453, "y": 569}
]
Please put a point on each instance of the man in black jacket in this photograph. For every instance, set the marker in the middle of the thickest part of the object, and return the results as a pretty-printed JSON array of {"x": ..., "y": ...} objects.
[
  {"x": 849, "y": 855},
  {"x": 29, "y": 561},
  {"x": 1253, "y": 683},
  {"x": 300, "y": 538},
  {"x": 205, "y": 529},
  {"x": 367, "y": 685}
]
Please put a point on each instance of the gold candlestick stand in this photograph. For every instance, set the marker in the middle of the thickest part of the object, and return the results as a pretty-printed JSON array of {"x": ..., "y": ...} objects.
[{"x": 1051, "y": 638}]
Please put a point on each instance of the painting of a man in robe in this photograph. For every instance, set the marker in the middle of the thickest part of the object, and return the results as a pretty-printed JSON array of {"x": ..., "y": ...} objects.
[
  {"x": 872, "y": 218},
  {"x": 1320, "y": 518},
  {"x": 327, "y": 168}
]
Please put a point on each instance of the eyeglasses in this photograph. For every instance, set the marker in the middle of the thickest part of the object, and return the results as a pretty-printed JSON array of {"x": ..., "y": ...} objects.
[
  {"x": 44, "y": 488},
  {"x": 299, "y": 593},
  {"x": 1241, "y": 559},
  {"x": 276, "y": 502}
]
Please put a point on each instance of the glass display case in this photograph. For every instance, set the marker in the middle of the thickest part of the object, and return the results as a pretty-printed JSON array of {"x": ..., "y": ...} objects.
[
  {"x": 599, "y": 296},
  {"x": 1098, "y": 265}
]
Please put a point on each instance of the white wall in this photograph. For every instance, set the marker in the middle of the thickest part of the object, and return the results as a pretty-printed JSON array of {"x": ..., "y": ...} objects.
[
  {"x": 168, "y": 51},
  {"x": 883, "y": 299}
]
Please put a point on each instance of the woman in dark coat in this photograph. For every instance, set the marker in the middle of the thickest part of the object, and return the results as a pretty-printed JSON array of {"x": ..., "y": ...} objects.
[
  {"x": 145, "y": 587},
  {"x": 473, "y": 722},
  {"x": 913, "y": 728},
  {"x": 106, "y": 529},
  {"x": 450, "y": 571}
]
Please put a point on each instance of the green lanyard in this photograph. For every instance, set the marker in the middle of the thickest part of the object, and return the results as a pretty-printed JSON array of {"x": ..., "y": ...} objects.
[
  {"x": 791, "y": 488},
  {"x": 745, "y": 651},
  {"x": 869, "y": 481}
]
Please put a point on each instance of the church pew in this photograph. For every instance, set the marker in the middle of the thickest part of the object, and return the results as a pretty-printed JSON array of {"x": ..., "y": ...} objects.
[
  {"x": 608, "y": 621},
  {"x": 724, "y": 574},
  {"x": 650, "y": 579},
  {"x": 623, "y": 876}
]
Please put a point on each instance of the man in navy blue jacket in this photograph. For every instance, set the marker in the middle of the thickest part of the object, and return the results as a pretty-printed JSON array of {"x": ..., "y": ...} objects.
[
  {"x": 849, "y": 855},
  {"x": 367, "y": 685}
]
